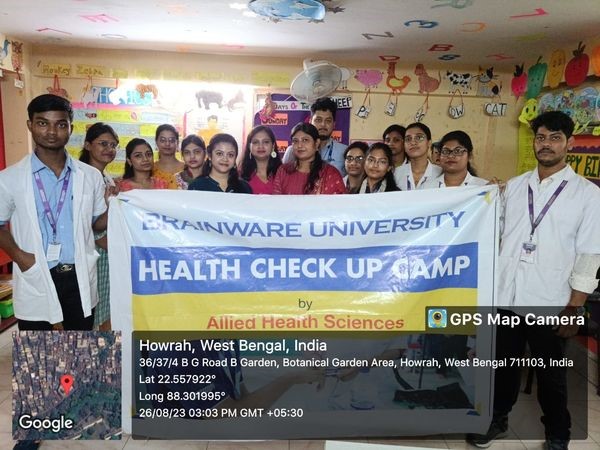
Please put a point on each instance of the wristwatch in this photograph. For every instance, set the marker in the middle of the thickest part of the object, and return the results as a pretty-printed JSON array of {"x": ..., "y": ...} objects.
[{"x": 579, "y": 310}]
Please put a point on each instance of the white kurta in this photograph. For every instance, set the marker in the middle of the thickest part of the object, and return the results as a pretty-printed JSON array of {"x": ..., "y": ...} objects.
[
  {"x": 571, "y": 227},
  {"x": 34, "y": 294}
]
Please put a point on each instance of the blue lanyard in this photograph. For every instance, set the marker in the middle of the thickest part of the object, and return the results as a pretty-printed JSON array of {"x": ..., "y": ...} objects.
[
  {"x": 329, "y": 151},
  {"x": 61, "y": 200},
  {"x": 542, "y": 214}
]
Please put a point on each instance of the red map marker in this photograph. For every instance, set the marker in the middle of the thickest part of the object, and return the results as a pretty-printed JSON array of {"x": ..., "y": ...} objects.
[{"x": 66, "y": 381}]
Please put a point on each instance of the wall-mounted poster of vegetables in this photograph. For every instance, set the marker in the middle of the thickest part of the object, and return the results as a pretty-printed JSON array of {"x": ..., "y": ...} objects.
[
  {"x": 518, "y": 84},
  {"x": 535, "y": 78},
  {"x": 577, "y": 68},
  {"x": 556, "y": 67}
]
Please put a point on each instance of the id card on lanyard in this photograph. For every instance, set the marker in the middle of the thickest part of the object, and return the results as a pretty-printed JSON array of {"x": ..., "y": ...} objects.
[
  {"x": 54, "y": 247},
  {"x": 528, "y": 250}
]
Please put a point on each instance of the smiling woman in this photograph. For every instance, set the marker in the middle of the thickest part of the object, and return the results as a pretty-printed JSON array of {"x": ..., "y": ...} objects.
[
  {"x": 308, "y": 174},
  {"x": 138, "y": 168},
  {"x": 219, "y": 173}
]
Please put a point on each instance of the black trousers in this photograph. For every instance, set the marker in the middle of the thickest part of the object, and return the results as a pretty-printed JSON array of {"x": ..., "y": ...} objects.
[
  {"x": 551, "y": 381},
  {"x": 70, "y": 303}
]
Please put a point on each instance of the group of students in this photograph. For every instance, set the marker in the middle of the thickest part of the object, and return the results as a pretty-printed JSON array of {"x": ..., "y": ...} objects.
[
  {"x": 400, "y": 162},
  {"x": 549, "y": 253}
]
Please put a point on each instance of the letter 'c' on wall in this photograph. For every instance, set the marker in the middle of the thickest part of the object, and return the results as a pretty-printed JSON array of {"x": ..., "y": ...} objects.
[{"x": 472, "y": 27}]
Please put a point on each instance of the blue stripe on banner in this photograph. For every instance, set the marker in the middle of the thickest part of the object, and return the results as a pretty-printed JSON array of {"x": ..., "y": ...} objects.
[{"x": 160, "y": 270}]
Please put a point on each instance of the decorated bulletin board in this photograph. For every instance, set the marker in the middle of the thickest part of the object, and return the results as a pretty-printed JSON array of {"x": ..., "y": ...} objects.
[
  {"x": 288, "y": 112},
  {"x": 583, "y": 106},
  {"x": 135, "y": 109}
]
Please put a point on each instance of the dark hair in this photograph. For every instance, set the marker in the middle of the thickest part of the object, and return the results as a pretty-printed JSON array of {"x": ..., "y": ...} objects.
[
  {"x": 97, "y": 129},
  {"x": 324, "y": 104},
  {"x": 192, "y": 139},
  {"x": 317, "y": 164},
  {"x": 554, "y": 121},
  {"x": 249, "y": 163},
  {"x": 49, "y": 102},
  {"x": 131, "y": 145},
  {"x": 359, "y": 145},
  {"x": 421, "y": 126},
  {"x": 395, "y": 127},
  {"x": 212, "y": 116},
  {"x": 166, "y": 127},
  {"x": 463, "y": 139},
  {"x": 233, "y": 180},
  {"x": 390, "y": 182}
]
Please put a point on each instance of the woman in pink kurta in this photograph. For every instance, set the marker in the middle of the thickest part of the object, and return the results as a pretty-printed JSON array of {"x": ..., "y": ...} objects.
[
  {"x": 309, "y": 174},
  {"x": 261, "y": 160}
]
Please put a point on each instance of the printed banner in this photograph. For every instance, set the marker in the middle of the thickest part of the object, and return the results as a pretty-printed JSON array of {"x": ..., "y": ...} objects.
[
  {"x": 208, "y": 261},
  {"x": 182, "y": 254}
]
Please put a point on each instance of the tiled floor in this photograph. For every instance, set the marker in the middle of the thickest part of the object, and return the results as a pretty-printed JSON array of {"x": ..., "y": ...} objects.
[{"x": 527, "y": 406}]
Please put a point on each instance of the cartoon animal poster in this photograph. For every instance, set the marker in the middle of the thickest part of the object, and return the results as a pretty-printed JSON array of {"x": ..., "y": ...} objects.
[
  {"x": 427, "y": 83},
  {"x": 487, "y": 86},
  {"x": 11, "y": 54}
]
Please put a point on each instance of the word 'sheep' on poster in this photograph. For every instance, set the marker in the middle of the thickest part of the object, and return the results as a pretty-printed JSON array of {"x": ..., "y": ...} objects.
[{"x": 211, "y": 262}]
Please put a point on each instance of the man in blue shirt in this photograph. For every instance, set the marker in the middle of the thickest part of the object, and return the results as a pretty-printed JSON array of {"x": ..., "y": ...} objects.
[
  {"x": 51, "y": 201},
  {"x": 323, "y": 113}
]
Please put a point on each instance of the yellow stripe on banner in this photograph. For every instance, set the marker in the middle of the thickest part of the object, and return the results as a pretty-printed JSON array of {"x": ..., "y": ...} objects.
[{"x": 280, "y": 311}]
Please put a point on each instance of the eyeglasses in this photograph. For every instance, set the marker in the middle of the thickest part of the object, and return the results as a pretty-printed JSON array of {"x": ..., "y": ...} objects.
[
  {"x": 164, "y": 140},
  {"x": 377, "y": 162},
  {"x": 415, "y": 138},
  {"x": 553, "y": 138},
  {"x": 457, "y": 151},
  {"x": 357, "y": 159},
  {"x": 106, "y": 144},
  {"x": 220, "y": 155}
]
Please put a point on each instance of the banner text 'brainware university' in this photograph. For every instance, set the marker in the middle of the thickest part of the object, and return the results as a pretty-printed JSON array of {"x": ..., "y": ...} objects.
[{"x": 210, "y": 261}]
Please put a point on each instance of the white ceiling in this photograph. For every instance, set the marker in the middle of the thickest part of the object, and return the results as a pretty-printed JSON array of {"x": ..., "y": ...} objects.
[{"x": 479, "y": 31}]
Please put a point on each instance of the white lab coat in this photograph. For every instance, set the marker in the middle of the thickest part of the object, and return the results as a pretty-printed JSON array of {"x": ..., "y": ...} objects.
[{"x": 404, "y": 176}]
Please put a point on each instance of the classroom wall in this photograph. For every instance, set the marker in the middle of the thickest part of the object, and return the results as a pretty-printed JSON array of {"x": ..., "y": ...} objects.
[
  {"x": 495, "y": 138},
  {"x": 17, "y": 140}
]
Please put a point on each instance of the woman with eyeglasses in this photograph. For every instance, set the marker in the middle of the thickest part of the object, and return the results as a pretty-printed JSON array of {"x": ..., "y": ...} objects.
[
  {"x": 354, "y": 163},
  {"x": 418, "y": 170},
  {"x": 167, "y": 139},
  {"x": 308, "y": 174},
  {"x": 99, "y": 150},
  {"x": 456, "y": 151},
  {"x": 261, "y": 160},
  {"x": 394, "y": 137},
  {"x": 219, "y": 173},
  {"x": 379, "y": 170},
  {"x": 139, "y": 163},
  {"x": 193, "y": 152}
]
